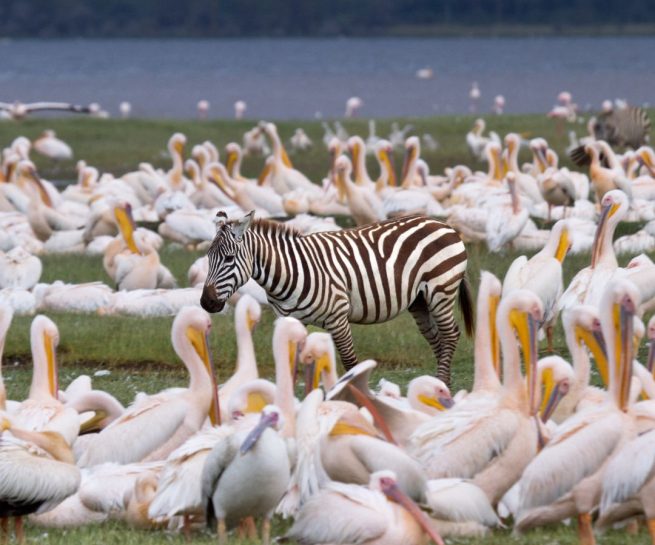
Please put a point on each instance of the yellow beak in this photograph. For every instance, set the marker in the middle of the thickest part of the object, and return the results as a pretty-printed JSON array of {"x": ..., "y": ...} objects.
[
  {"x": 200, "y": 342},
  {"x": 563, "y": 246},
  {"x": 493, "y": 333},
  {"x": 125, "y": 222},
  {"x": 53, "y": 383}
]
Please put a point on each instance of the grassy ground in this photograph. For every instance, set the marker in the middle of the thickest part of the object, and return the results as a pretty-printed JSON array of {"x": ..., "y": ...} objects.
[
  {"x": 138, "y": 353},
  {"x": 118, "y": 146}
]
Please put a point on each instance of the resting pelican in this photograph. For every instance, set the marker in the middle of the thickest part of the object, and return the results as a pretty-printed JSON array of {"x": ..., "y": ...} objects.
[
  {"x": 565, "y": 479},
  {"x": 542, "y": 274},
  {"x": 380, "y": 514},
  {"x": 588, "y": 284},
  {"x": 37, "y": 471},
  {"x": 42, "y": 411},
  {"x": 155, "y": 425},
  {"x": 605, "y": 179},
  {"x": 493, "y": 443},
  {"x": 52, "y": 147},
  {"x": 19, "y": 269},
  {"x": 246, "y": 475}
]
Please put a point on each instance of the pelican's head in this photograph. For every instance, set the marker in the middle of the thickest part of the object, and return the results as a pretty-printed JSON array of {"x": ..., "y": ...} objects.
[
  {"x": 290, "y": 331},
  {"x": 191, "y": 329},
  {"x": 26, "y": 172},
  {"x": 126, "y": 225},
  {"x": 412, "y": 152},
  {"x": 423, "y": 171},
  {"x": 248, "y": 312},
  {"x": 512, "y": 141},
  {"x": 647, "y": 158},
  {"x": 613, "y": 208},
  {"x": 556, "y": 376},
  {"x": 478, "y": 126},
  {"x": 583, "y": 321},
  {"x": 318, "y": 357},
  {"x": 250, "y": 398},
  {"x": 233, "y": 152},
  {"x": 271, "y": 418},
  {"x": 176, "y": 144},
  {"x": 386, "y": 482},
  {"x": 560, "y": 240},
  {"x": 429, "y": 394},
  {"x": 618, "y": 308},
  {"x": 384, "y": 154}
]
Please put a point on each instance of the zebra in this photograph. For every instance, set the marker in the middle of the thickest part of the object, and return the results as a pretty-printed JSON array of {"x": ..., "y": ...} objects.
[{"x": 363, "y": 275}]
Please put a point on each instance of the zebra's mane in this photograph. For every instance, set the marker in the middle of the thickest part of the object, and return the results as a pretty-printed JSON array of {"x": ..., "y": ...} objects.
[{"x": 277, "y": 227}]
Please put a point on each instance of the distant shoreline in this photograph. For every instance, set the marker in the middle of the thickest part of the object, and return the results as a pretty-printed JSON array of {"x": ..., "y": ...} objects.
[{"x": 426, "y": 31}]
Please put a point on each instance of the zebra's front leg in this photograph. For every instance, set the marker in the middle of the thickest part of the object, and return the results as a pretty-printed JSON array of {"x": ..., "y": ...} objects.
[{"x": 343, "y": 340}]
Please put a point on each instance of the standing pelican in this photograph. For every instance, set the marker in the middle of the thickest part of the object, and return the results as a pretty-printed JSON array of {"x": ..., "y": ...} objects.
[
  {"x": 246, "y": 475},
  {"x": 155, "y": 425}
]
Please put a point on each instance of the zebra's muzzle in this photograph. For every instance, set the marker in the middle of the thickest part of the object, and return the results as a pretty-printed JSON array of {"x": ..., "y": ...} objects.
[{"x": 209, "y": 301}]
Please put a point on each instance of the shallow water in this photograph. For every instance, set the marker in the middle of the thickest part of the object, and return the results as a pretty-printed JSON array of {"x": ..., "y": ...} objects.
[{"x": 306, "y": 78}]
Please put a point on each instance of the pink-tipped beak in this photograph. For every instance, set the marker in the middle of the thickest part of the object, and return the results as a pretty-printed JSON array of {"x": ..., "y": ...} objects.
[
  {"x": 364, "y": 401},
  {"x": 394, "y": 493}
]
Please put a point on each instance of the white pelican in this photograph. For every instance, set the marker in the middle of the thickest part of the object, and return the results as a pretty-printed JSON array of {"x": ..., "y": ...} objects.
[
  {"x": 283, "y": 176},
  {"x": 42, "y": 411},
  {"x": 605, "y": 179},
  {"x": 477, "y": 142},
  {"x": 491, "y": 444},
  {"x": 357, "y": 150},
  {"x": 506, "y": 221},
  {"x": 588, "y": 284},
  {"x": 365, "y": 205},
  {"x": 19, "y": 110},
  {"x": 526, "y": 184},
  {"x": 246, "y": 475},
  {"x": 155, "y": 425},
  {"x": 426, "y": 397},
  {"x": 52, "y": 147},
  {"x": 300, "y": 141},
  {"x": 19, "y": 269},
  {"x": 37, "y": 471},
  {"x": 542, "y": 274},
  {"x": 565, "y": 479},
  {"x": 380, "y": 514}
]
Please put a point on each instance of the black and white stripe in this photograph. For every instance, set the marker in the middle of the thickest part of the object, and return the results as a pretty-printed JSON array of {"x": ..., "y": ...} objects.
[{"x": 365, "y": 275}]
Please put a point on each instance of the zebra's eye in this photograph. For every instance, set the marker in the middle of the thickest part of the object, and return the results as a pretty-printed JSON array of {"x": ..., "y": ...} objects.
[{"x": 228, "y": 259}]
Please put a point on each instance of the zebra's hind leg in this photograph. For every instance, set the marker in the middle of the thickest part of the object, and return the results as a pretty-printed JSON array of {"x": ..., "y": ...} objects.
[
  {"x": 442, "y": 315},
  {"x": 343, "y": 340},
  {"x": 428, "y": 328}
]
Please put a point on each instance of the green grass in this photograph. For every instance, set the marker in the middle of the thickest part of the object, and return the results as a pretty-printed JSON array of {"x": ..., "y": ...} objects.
[
  {"x": 138, "y": 352},
  {"x": 118, "y": 146}
]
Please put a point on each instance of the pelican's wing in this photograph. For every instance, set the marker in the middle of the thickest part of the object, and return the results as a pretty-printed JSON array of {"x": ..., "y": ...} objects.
[
  {"x": 37, "y": 106},
  {"x": 179, "y": 488},
  {"x": 132, "y": 438},
  {"x": 561, "y": 465},
  {"x": 629, "y": 470},
  {"x": 216, "y": 463},
  {"x": 342, "y": 514},
  {"x": 459, "y": 500}
]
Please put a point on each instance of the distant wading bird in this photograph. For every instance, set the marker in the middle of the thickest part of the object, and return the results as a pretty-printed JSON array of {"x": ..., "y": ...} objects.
[{"x": 364, "y": 275}]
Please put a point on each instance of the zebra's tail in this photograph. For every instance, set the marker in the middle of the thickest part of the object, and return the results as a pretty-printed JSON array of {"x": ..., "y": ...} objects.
[{"x": 466, "y": 306}]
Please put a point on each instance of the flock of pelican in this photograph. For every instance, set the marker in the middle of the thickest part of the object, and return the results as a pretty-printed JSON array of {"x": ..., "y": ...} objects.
[{"x": 533, "y": 443}]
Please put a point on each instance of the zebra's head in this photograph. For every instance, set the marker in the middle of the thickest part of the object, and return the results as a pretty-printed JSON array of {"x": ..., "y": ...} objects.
[{"x": 230, "y": 263}]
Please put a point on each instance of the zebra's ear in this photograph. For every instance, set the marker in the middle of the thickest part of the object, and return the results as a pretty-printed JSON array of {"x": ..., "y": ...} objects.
[
  {"x": 239, "y": 227},
  {"x": 220, "y": 219}
]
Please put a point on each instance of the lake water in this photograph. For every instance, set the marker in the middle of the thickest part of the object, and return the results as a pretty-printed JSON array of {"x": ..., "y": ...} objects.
[{"x": 306, "y": 78}]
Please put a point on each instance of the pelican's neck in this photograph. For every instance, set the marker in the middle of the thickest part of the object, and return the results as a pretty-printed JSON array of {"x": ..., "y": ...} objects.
[
  {"x": 246, "y": 359},
  {"x": 284, "y": 397},
  {"x": 512, "y": 377},
  {"x": 513, "y": 158},
  {"x": 580, "y": 359},
  {"x": 44, "y": 375},
  {"x": 199, "y": 377},
  {"x": 234, "y": 164},
  {"x": 176, "y": 172},
  {"x": 485, "y": 377},
  {"x": 359, "y": 160}
]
